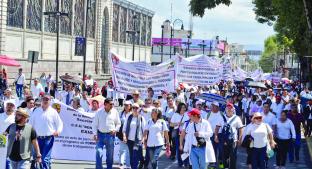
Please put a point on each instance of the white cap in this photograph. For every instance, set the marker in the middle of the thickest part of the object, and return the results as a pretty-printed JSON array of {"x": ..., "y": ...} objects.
[
  {"x": 199, "y": 102},
  {"x": 12, "y": 101},
  {"x": 128, "y": 102},
  {"x": 215, "y": 103}
]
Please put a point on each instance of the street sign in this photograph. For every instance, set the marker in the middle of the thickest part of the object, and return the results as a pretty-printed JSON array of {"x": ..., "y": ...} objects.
[
  {"x": 79, "y": 46},
  {"x": 33, "y": 56}
]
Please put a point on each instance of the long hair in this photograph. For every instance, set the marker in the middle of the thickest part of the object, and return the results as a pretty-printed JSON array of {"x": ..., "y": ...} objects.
[
  {"x": 180, "y": 105},
  {"x": 159, "y": 113}
]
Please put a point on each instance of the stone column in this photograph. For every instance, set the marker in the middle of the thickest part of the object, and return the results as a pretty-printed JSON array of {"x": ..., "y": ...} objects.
[{"x": 3, "y": 23}]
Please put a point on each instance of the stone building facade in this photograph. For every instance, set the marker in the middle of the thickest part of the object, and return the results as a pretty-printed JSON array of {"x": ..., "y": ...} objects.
[{"x": 24, "y": 27}]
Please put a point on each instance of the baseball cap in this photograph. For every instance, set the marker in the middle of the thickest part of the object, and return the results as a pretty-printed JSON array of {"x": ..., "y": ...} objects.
[
  {"x": 128, "y": 102},
  {"x": 215, "y": 103},
  {"x": 229, "y": 105},
  {"x": 194, "y": 112}
]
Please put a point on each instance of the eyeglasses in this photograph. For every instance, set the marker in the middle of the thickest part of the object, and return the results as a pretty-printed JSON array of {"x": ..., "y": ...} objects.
[
  {"x": 135, "y": 108},
  {"x": 258, "y": 118}
]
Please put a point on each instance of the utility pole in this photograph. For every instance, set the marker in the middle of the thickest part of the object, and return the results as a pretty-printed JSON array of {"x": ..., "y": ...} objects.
[{"x": 57, "y": 14}]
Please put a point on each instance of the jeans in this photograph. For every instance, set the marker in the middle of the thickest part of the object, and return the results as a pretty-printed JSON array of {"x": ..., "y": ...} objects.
[
  {"x": 154, "y": 153},
  {"x": 217, "y": 147},
  {"x": 309, "y": 127},
  {"x": 179, "y": 153},
  {"x": 19, "y": 90},
  {"x": 45, "y": 145},
  {"x": 124, "y": 154},
  {"x": 135, "y": 154},
  {"x": 107, "y": 140},
  {"x": 198, "y": 157},
  {"x": 23, "y": 164},
  {"x": 281, "y": 154},
  {"x": 294, "y": 148},
  {"x": 172, "y": 141},
  {"x": 7, "y": 164},
  {"x": 258, "y": 158},
  {"x": 229, "y": 156}
]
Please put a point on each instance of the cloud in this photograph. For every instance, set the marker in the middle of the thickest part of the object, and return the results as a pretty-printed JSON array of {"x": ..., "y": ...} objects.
[{"x": 235, "y": 22}]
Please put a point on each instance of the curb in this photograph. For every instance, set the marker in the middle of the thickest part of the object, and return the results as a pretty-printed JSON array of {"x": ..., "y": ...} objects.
[{"x": 309, "y": 144}]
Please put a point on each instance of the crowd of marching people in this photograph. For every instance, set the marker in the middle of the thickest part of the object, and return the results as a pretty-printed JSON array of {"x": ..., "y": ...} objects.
[{"x": 196, "y": 132}]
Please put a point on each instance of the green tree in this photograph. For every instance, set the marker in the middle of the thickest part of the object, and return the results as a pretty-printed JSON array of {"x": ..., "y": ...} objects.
[{"x": 271, "y": 48}]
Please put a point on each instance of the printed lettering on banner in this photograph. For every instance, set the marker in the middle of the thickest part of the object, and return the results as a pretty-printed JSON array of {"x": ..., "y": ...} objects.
[
  {"x": 198, "y": 70},
  {"x": 129, "y": 76},
  {"x": 76, "y": 140}
]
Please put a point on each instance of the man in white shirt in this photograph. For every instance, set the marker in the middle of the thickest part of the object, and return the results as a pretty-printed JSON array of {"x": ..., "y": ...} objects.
[
  {"x": 163, "y": 100},
  {"x": 180, "y": 95},
  {"x": 48, "y": 124},
  {"x": 277, "y": 106},
  {"x": 268, "y": 117},
  {"x": 67, "y": 94},
  {"x": 36, "y": 89},
  {"x": 105, "y": 125},
  {"x": 216, "y": 120},
  {"x": 94, "y": 106},
  {"x": 30, "y": 104},
  {"x": 20, "y": 81},
  {"x": 199, "y": 106},
  {"x": 84, "y": 101}
]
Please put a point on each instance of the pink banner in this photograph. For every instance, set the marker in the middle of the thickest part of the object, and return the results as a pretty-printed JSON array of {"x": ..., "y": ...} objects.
[{"x": 166, "y": 42}]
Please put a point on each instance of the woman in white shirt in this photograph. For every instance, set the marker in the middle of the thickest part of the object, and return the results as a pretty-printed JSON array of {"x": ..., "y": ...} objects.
[
  {"x": 155, "y": 132},
  {"x": 76, "y": 104},
  {"x": 177, "y": 121},
  {"x": 124, "y": 157},
  {"x": 262, "y": 135},
  {"x": 284, "y": 135},
  {"x": 133, "y": 135}
]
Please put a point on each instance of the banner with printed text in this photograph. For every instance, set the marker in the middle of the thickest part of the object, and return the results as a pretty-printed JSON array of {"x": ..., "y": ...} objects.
[
  {"x": 76, "y": 140},
  {"x": 129, "y": 76}
]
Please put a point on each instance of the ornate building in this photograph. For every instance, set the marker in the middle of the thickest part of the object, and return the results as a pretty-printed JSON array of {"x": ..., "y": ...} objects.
[{"x": 24, "y": 27}]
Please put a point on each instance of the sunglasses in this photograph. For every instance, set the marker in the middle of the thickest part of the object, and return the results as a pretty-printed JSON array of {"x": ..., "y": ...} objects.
[
  {"x": 258, "y": 118},
  {"x": 135, "y": 108}
]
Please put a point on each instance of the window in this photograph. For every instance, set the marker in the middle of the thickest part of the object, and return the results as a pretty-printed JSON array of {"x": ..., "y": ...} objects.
[
  {"x": 79, "y": 18},
  {"x": 137, "y": 28},
  {"x": 50, "y": 21},
  {"x": 34, "y": 11},
  {"x": 65, "y": 25},
  {"x": 143, "y": 30},
  {"x": 15, "y": 13},
  {"x": 130, "y": 26},
  {"x": 115, "y": 22},
  {"x": 123, "y": 24},
  {"x": 91, "y": 19},
  {"x": 149, "y": 31}
]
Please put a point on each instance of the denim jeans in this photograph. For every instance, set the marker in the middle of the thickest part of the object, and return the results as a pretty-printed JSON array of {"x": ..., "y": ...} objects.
[
  {"x": 107, "y": 140},
  {"x": 294, "y": 149},
  {"x": 258, "y": 158},
  {"x": 154, "y": 153},
  {"x": 23, "y": 164},
  {"x": 45, "y": 145},
  {"x": 19, "y": 90},
  {"x": 7, "y": 164},
  {"x": 124, "y": 154},
  {"x": 135, "y": 155},
  {"x": 198, "y": 157},
  {"x": 179, "y": 153},
  {"x": 217, "y": 147}
]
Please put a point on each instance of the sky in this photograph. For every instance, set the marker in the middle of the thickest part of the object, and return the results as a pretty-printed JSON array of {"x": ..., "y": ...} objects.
[{"x": 235, "y": 23}]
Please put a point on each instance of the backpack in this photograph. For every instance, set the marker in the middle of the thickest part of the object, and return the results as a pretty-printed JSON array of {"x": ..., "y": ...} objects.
[{"x": 227, "y": 133}]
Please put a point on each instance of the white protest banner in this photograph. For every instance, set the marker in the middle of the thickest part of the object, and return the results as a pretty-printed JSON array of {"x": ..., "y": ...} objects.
[
  {"x": 198, "y": 70},
  {"x": 76, "y": 140},
  {"x": 239, "y": 74},
  {"x": 227, "y": 70},
  {"x": 3, "y": 150},
  {"x": 129, "y": 76},
  {"x": 276, "y": 77}
]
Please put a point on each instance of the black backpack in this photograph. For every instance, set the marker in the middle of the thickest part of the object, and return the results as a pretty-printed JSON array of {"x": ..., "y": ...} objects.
[{"x": 227, "y": 133}]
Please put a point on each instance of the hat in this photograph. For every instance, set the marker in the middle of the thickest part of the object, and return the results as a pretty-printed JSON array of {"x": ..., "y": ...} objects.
[
  {"x": 136, "y": 105},
  {"x": 215, "y": 103},
  {"x": 229, "y": 105},
  {"x": 194, "y": 112},
  {"x": 136, "y": 92},
  {"x": 10, "y": 101},
  {"x": 127, "y": 102},
  {"x": 257, "y": 114},
  {"x": 22, "y": 112},
  {"x": 198, "y": 102}
]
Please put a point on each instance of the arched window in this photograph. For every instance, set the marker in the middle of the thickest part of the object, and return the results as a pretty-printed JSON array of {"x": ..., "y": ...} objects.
[
  {"x": 34, "y": 11},
  {"x": 79, "y": 18},
  {"x": 143, "y": 30},
  {"x": 65, "y": 26},
  {"x": 123, "y": 26},
  {"x": 15, "y": 13},
  {"x": 91, "y": 19},
  {"x": 115, "y": 23}
]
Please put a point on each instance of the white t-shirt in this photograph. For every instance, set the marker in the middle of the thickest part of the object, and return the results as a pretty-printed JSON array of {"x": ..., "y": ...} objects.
[
  {"x": 20, "y": 79},
  {"x": 285, "y": 130},
  {"x": 35, "y": 90},
  {"x": 269, "y": 119},
  {"x": 236, "y": 124},
  {"x": 147, "y": 113},
  {"x": 177, "y": 118},
  {"x": 155, "y": 132},
  {"x": 216, "y": 119},
  {"x": 6, "y": 121},
  {"x": 277, "y": 108},
  {"x": 259, "y": 134},
  {"x": 133, "y": 127}
]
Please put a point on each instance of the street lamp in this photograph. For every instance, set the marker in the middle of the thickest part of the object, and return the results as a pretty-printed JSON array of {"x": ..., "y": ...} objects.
[
  {"x": 162, "y": 43},
  {"x": 133, "y": 33},
  {"x": 57, "y": 14},
  {"x": 172, "y": 32},
  {"x": 188, "y": 43},
  {"x": 203, "y": 45}
]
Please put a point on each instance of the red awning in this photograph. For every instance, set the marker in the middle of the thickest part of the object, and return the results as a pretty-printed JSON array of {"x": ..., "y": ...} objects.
[{"x": 8, "y": 61}]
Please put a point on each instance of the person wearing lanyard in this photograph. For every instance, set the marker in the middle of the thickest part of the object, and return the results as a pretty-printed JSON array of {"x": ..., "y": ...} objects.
[
  {"x": 177, "y": 121},
  {"x": 155, "y": 132},
  {"x": 124, "y": 157},
  {"x": 105, "y": 125},
  {"x": 285, "y": 133},
  {"x": 199, "y": 136},
  {"x": 133, "y": 135},
  {"x": 47, "y": 124},
  {"x": 167, "y": 114}
]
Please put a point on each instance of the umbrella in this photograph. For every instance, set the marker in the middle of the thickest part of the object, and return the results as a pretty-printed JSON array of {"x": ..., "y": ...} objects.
[
  {"x": 212, "y": 97},
  {"x": 71, "y": 79},
  {"x": 249, "y": 79},
  {"x": 257, "y": 85},
  {"x": 8, "y": 61}
]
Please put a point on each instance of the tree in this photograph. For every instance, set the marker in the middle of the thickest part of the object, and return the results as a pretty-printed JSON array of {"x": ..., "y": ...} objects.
[{"x": 271, "y": 49}]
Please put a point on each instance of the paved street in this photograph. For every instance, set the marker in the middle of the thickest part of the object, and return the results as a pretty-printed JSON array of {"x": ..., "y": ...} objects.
[{"x": 304, "y": 163}]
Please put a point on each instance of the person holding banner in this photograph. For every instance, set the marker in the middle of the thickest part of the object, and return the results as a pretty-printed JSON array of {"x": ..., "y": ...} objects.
[
  {"x": 21, "y": 138},
  {"x": 48, "y": 124},
  {"x": 105, "y": 125},
  {"x": 156, "y": 132},
  {"x": 133, "y": 135}
]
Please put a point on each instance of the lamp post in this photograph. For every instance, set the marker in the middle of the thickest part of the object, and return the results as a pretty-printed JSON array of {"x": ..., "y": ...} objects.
[
  {"x": 133, "y": 33},
  {"x": 172, "y": 33},
  {"x": 188, "y": 43},
  {"x": 162, "y": 43},
  {"x": 203, "y": 45},
  {"x": 57, "y": 14}
]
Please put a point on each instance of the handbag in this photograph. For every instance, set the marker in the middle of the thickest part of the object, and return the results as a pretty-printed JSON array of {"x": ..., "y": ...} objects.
[
  {"x": 176, "y": 132},
  {"x": 201, "y": 142},
  {"x": 247, "y": 141}
]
